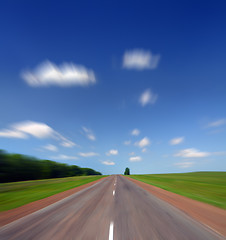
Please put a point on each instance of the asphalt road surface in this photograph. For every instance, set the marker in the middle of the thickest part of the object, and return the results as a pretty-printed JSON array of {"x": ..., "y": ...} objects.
[{"x": 114, "y": 208}]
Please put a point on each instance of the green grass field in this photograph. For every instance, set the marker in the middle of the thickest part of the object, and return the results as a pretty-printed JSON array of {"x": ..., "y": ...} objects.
[
  {"x": 208, "y": 187},
  {"x": 16, "y": 194}
]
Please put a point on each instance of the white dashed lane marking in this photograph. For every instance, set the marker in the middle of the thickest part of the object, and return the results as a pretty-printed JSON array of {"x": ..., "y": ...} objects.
[{"x": 111, "y": 229}]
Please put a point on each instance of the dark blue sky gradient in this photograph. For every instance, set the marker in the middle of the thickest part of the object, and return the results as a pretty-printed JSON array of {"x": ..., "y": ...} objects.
[{"x": 190, "y": 79}]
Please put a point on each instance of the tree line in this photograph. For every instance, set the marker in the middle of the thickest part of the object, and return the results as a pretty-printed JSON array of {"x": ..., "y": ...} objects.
[{"x": 18, "y": 167}]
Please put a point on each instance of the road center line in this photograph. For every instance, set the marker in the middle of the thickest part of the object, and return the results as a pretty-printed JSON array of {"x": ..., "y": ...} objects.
[{"x": 111, "y": 229}]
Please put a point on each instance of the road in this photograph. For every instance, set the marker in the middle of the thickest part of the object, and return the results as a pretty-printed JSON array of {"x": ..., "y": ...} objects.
[{"x": 114, "y": 208}]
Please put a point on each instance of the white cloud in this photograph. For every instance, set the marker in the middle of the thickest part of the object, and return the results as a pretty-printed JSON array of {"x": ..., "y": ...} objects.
[
  {"x": 143, "y": 142},
  {"x": 127, "y": 142},
  {"x": 184, "y": 164},
  {"x": 88, "y": 154},
  {"x": 67, "y": 74},
  {"x": 148, "y": 97},
  {"x": 144, "y": 150},
  {"x": 63, "y": 157},
  {"x": 135, "y": 159},
  {"x": 89, "y": 134},
  {"x": 135, "y": 132},
  {"x": 110, "y": 163},
  {"x": 12, "y": 134},
  {"x": 50, "y": 147},
  {"x": 217, "y": 123},
  {"x": 132, "y": 153},
  {"x": 140, "y": 59},
  {"x": 191, "y": 153},
  {"x": 176, "y": 141},
  {"x": 35, "y": 129},
  {"x": 112, "y": 152}
]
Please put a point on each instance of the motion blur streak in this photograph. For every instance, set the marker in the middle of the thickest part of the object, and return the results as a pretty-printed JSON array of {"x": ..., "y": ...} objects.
[{"x": 88, "y": 214}]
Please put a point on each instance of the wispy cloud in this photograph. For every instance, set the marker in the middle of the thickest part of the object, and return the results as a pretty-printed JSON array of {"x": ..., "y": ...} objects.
[
  {"x": 35, "y": 129},
  {"x": 184, "y": 164},
  {"x": 110, "y": 163},
  {"x": 223, "y": 153},
  {"x": 112, "y": 152},
  {"x": 143, "y": 142},
  {"x": 128, "y": 142},
  {"x": 63, "y": 157},
  {"x": 144, "y": 150},
  {"x": 148, "y": 97},
  {"x": 88, "y": 154},
  {"x": 216, "y": 131},
  {"x": 67, "y": 74},
  {"x": 191, "y": 153},
  {"x": 132, "y": 153},
  {"x": 140, "y": 59},
  {"x": 50, "y": 147},
  {"x": 89, "y": 133},
  {"x": 12, "y": 134},
  {"x": 67, "y": 143},
  {"x": 39, "y": 130},
  {"x": 176, "y": 141},
  {"x": 135, "y": 159},
  {"x": 217, "y": 123},
  {"x": 135, "y": 132}
]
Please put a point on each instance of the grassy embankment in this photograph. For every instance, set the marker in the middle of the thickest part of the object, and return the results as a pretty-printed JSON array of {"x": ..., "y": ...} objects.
[
  {"x": 208, "y": 187},
  {"x": 16, "y": 194}
]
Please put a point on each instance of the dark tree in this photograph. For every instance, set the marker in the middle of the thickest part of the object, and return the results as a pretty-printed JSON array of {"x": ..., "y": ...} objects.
[
  {"x": 18, "y": 167},
  {"x": 127, "y": 171}
]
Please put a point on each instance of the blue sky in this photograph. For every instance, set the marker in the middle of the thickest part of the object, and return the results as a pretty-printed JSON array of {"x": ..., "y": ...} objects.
[{"x": 115, "y": 84}]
